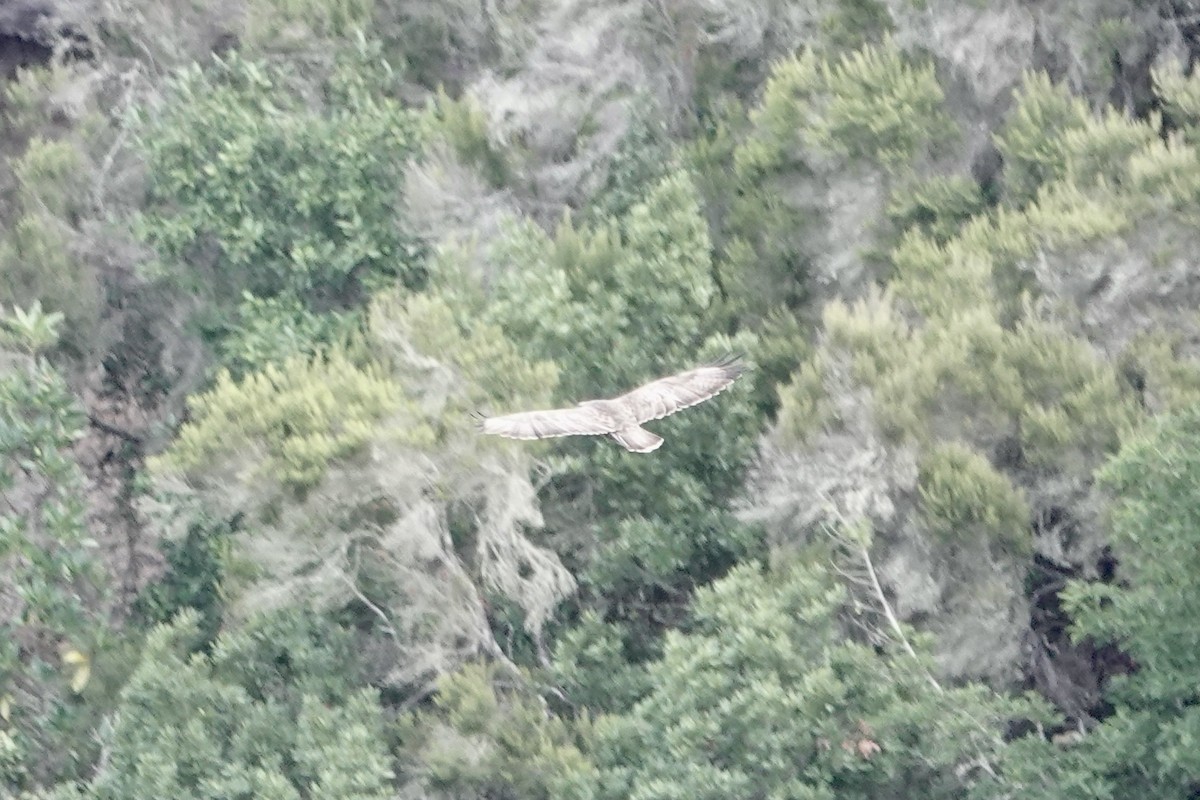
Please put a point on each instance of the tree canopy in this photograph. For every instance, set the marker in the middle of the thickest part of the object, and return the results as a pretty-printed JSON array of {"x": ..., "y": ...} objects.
[{"x": 261, "y": 261}]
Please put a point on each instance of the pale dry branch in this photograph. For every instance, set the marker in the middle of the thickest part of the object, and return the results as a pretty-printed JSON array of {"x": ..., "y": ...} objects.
[
  {"x": 860, "y": 550},
  {"x": 388, "y": 627}
]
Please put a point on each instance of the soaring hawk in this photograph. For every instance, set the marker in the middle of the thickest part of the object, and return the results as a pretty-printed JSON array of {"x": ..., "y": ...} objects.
[{"x": 622, "y": 417}]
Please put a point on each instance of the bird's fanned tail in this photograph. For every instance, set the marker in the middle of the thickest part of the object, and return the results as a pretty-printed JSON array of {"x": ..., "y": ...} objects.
[{"x": 638, "y": 440}]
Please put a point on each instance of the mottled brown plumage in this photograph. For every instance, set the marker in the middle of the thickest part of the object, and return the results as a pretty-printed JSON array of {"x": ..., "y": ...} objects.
[{"x": 622, "y": 417}]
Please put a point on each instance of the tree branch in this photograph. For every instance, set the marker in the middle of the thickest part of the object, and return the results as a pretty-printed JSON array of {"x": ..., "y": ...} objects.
[
  {"x": 871, "y": 581},
  {"x": 861, "y": 550},
  {"x": 113, "y": 430}
]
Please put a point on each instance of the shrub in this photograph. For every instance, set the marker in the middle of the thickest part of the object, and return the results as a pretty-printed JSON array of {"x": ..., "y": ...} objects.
[
  {"x": 964, "y": 500},
  {"x": 252, "y": 189}
]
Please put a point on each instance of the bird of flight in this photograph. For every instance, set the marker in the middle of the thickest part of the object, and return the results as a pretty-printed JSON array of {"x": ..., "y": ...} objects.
[{"x": 622, "y": 417}]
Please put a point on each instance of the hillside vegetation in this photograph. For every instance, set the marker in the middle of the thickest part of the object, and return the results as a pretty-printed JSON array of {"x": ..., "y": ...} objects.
[{"x": 260, "y": 260}]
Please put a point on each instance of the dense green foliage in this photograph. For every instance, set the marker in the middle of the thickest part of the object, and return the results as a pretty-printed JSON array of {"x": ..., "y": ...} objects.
[
  {"x": 272, "y": 712},
  {"x": 1155, "y": 479},
  {"x": 764, "y": 697},
  {"x": 37, "y": 244},
  {"x": 1154, "y": 715},
  {"x": 257, "y": 196},
  {"x": 53, "y": 584},
  {"x": 303, "y": 414},
  {"x": 296, "y": 202},
  {"x": 252, "y": 545}
]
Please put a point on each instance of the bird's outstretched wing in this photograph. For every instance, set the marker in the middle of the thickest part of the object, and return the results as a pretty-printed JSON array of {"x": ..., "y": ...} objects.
[
  {"x": 665, "y": 396},
  {"x": 578, "y": 421}
]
